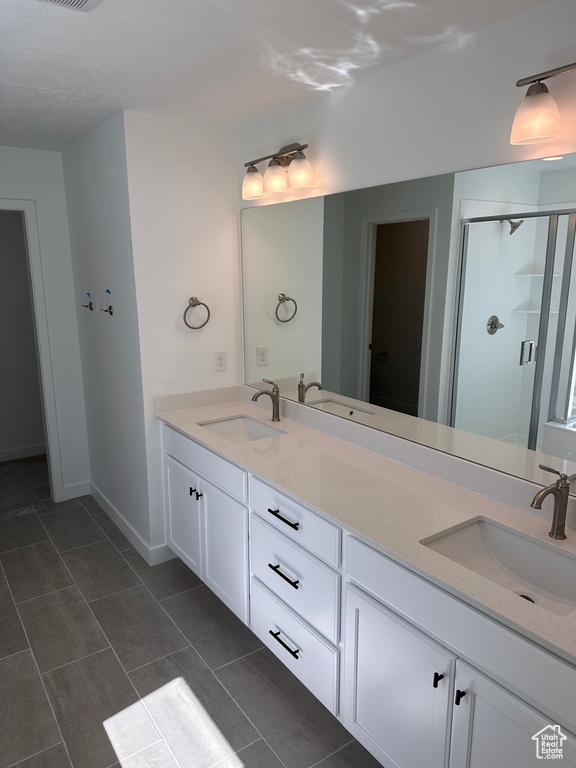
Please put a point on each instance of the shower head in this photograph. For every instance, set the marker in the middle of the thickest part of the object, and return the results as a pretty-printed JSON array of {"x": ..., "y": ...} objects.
[{"x": 514, "y": 225}]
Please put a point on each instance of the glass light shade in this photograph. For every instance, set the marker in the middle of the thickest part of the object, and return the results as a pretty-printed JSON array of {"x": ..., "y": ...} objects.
[
  {"x": 275, "y": 178},
  {"x": 300, "y": 173},
  {"x": 253, "y": 184},
  {"x": 537, "y": 119}
]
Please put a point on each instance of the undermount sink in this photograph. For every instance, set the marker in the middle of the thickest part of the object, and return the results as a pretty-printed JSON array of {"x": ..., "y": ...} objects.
[
  {"x": 533, "y": 569},
  {"x": 338, "y": 407},
  {"x": 241, "y": 429}
]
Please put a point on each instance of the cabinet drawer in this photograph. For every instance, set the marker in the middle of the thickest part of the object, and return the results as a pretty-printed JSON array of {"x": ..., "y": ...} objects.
[
  {"x": 316, "y": 664},
  {"x": 299, "y": 524},
  {"x": 224, "y": 474},
  {"x": 315, "y": 589}
]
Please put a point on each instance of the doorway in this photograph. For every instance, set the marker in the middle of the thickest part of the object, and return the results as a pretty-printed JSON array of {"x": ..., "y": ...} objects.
[
  {"x": 400, "y": 265},
  {"x": 26, "y": 211}
]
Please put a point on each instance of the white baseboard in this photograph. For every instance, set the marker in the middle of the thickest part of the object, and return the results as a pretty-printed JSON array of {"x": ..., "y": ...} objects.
[
  {"x": 75, "y": 489},
  {"x": 22, "y": 452},
  {"x": 152, "y": 555}
]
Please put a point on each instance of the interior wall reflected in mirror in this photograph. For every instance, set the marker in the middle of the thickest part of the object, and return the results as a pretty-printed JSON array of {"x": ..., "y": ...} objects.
[{"x": 396, "y": 287}]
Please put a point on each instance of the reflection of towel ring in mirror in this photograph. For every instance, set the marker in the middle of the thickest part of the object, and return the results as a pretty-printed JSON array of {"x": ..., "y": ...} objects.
[
  {"x": 194, "y": 302},
  {"x": 281, "y": 299}
]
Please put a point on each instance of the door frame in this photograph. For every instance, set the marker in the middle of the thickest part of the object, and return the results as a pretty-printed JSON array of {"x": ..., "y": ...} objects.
[
  {"x": 368, "y": 233},
  {"x": 34, "y": 262}
]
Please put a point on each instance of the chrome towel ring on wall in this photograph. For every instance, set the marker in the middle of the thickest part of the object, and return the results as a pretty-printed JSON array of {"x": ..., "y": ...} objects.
[
  {"x": 194, "y": 302},
  {"x": 281, "y": 299}
]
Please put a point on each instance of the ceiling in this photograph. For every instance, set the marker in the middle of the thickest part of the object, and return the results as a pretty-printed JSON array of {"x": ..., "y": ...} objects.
[{"x": 65, "y": 71}]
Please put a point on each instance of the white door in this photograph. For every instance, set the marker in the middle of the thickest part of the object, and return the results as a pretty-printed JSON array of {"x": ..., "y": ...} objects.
[
  {"x": 398, "y": 687},
  {"x": 226, "y": 555},
  {"x": 184, "y": 518},
  {"x": 493, "y": 728}
]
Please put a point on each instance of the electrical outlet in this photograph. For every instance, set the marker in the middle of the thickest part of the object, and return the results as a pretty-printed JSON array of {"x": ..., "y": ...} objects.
[
  {"x": 261, "y": 356},
  {"x": 220, "y": 360}
]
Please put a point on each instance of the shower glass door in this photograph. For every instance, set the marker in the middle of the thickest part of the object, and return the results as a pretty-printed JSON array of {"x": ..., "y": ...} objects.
[{"x": 515, "y": 343}]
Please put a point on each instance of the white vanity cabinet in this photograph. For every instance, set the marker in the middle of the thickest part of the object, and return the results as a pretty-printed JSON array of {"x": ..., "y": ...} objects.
[
  {"x": 399, "y": 686},
  {"x": 207, "y": 527},
  {"x": 295, "y": 593},
  {"x": 414, "y": 701},
  {"x": 491, "y": 727}
]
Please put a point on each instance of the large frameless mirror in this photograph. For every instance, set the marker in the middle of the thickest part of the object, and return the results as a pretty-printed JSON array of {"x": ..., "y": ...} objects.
[{"x": 440, "y": 309}]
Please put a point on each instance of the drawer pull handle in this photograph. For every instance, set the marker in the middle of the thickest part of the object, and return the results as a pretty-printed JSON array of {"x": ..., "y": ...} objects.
[
  {"x": 437, "y": 678},
  {"x": 276, "y": 513},
  {"x": 276, "y": 636},
  {"x": 276, "y": 569},
  {"x": 198, "y": 495},
  {"x": 459, "y": 696}
]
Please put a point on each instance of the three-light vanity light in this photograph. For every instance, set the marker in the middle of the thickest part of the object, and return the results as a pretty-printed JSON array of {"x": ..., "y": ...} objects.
[
  {"x": 288, "y": 169},
  {"x": 538, "y": 117}
]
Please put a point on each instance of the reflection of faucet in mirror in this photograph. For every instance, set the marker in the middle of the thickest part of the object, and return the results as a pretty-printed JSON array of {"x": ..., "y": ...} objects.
[
  {"x": 274, "y": 396},
  {"x": 303, "y": 388},
  {"x": 560, "y": 490}
]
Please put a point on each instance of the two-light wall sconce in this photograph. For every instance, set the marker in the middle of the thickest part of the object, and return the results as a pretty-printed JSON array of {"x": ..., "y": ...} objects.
[
  {"x": 538, "y": 117},
  {"x": 288, "y": 169}
]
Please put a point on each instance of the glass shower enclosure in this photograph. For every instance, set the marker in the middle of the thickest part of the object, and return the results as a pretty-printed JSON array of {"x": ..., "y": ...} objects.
[{"x": 514, "y": 359}]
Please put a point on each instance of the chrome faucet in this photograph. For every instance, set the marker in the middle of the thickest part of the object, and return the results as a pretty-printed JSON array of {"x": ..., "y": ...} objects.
[
  {"x": 560, "y": 490},
  {"x": 274, "y": 396},
  {"x": 303, "y": 388}
]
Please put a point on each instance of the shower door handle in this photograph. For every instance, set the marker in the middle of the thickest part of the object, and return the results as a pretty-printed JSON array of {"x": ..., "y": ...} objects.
[{"x": 527, "y": 352}]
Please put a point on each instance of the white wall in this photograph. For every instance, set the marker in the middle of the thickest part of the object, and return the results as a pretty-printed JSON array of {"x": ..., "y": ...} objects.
[
  {"x": 447, "y": 110},
  {"x": 282, "y": 248},
  {"x": 184, "y": 226},
  {"x": 33, "y": 180},
  {"x": 100, "y": 235},
  {"x": 21, "y": 420}
]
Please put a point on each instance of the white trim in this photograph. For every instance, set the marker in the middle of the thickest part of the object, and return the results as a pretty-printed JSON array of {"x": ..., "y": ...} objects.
[
  {"x": 152, "y": 555},
  {"x": 32, "y": 241},
  {"x": 368, "y": 227},
  {"x": 22, "y": 452}
]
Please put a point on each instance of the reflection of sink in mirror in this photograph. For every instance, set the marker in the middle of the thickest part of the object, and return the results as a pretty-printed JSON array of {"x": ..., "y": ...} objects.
[
  {"x": 241, "y": 429},
  {"x": 338, "y": 407},
  {"x": 536, "y": 570}
]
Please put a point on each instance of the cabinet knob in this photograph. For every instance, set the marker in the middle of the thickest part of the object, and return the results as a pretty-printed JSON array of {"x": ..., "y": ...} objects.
[
  {"x": 198, "y": 495},
  {"x": 437, "y": 678},
  {"x": 192, "y": 491},
  {"x": 459, "y": 696}
]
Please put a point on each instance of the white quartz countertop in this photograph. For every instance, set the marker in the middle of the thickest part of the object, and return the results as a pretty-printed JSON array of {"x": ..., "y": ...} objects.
[{"x": 390, "y": 506}]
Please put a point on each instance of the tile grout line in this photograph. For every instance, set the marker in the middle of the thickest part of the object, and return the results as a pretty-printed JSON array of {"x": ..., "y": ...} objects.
[
  {"x": 208, "y": 668},
  {"x": 225, "y": 759},
  {"x": 15, "y": 765},
  {"x": 139, "y": 698},
  {"x": 49, "y": 700},
  {"x": 83, "y": 546},
  {"x": 247, "y": 718},
  {"x": 314, "y": 765},
  {"x": 112, "y": 594},
  {"x": 245, "y": 656},
  {"x": 37, "y": 597}
]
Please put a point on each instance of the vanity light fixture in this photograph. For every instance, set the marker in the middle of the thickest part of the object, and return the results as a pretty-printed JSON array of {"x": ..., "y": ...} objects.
[
  {"x": 538, "y": 118},
  {"x": 288, "y": 169}
]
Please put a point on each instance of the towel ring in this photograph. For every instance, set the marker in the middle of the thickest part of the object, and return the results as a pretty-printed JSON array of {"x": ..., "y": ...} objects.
[
  {"x": 281, "y": 299},
  {"x": 194, "y": 302}
]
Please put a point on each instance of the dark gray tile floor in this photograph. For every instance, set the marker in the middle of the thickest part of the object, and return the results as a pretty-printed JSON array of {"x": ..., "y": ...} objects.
[{"x": 107, "y": 662}]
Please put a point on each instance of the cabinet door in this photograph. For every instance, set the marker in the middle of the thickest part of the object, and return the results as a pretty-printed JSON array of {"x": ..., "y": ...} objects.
[
  {"x": 491, "y": 727},
  {"x": 184, "y": 513},
  {"x": 226, "y": 548},
  {"x": 398, "y": 687}
]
